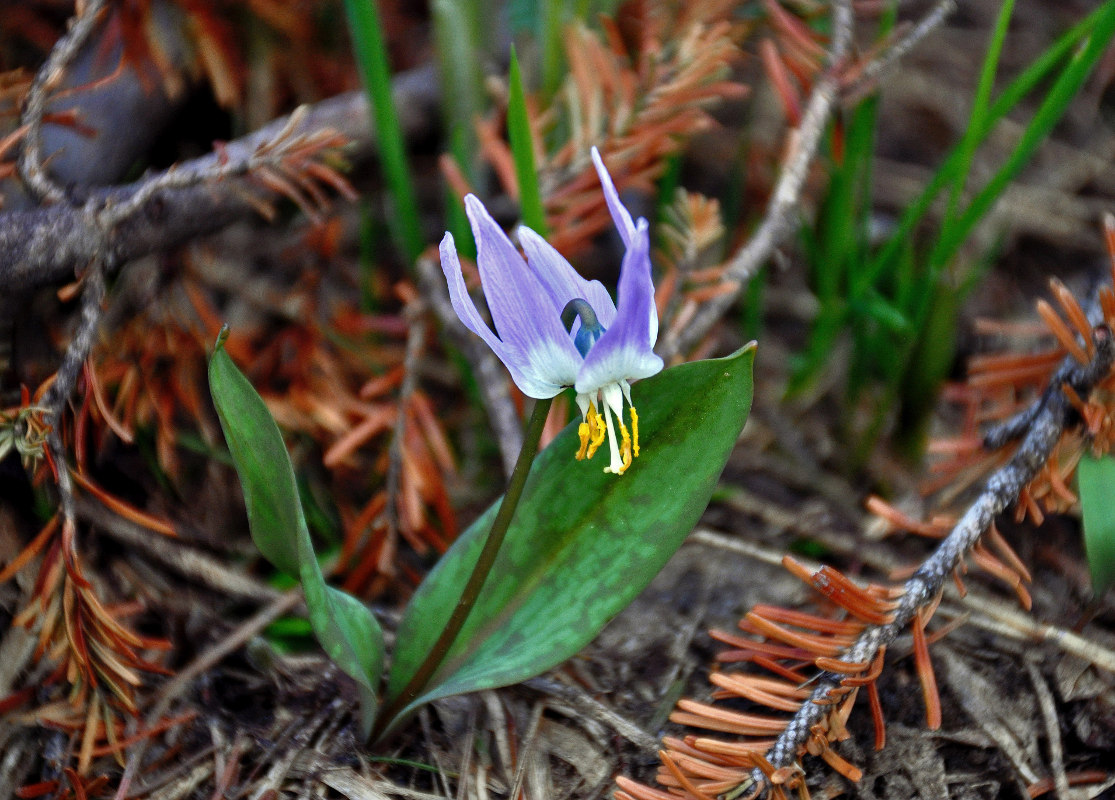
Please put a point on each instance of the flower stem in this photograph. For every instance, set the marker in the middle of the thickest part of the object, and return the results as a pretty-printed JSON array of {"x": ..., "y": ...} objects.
[{"x": 479, "y": 574}]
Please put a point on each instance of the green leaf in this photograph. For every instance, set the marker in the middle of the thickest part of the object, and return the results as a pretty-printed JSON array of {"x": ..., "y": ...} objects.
[
  {"x": 1096, "y": 479},
  {"x": 583, "y": 543},
  {"x": 343, "y": 625}
]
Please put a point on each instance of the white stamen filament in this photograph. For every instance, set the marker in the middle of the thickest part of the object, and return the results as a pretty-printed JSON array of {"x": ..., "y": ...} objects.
[
  {"x": 612, "y": 400},
  {"x": 613, "y": 447}
]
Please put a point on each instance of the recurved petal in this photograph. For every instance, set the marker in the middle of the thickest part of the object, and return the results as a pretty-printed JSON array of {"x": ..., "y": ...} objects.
[
  {"x": 625, "y": 351},
  {"x": 462, "y": 303},
  {"x": 525, "y": 316},
  {"x": 561, "y": 281},
  {"x": 636, "y": 284},
  {"x": 522, "y": 364},
  {"x": 620, "y": 215}
]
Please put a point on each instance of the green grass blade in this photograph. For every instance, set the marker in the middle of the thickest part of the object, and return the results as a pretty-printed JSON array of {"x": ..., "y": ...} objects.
[
  {"x": 1021, "y": 86},
  {"x": 1064, "y": 89},
  {"x": 976, "y": 120},
  {"x": 459, "y": 33},
  {"x": 551, "y": 24},
  {"x": 371, "y": 58},
  {"x": 1095, "y": 479},
  {"x": 522, "y": 151}
]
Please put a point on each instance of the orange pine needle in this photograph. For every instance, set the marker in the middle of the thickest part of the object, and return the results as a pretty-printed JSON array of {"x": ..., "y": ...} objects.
[
  {"x": 156, "y": 729},
  {"x": 630, "y": 790},
  {"x": 1082, "y": 778},
  {"x": 1006, "y": 552},
  {"x": 682, "y": 779},
  {"x": 925, "y": 674},
  {"x": 844, "y": 593},
  {"x": 691, "y": 712},
  {"x": 1061, "y": 331},
  {"x": 841, "y": 765},
  {"x": 840, "y": 667},
  {"x": 900, "y": 520},
  {"x": 742, "y": 753},
  {"x": 1073, "y": 311},
  {"x": 994, "y": 566},
  {"x": 877, "y": 718},
  {"x": 825, "y": 646},
  {"x": 30, "y": 551},
  {"x": 784, "y": 87},
  {"x": 125, "y": 510},
  {"x": 1000, "y": 362},
  {"x": 94, "y": 384},
  {"x": 811, "y": 622},
  {"x": 759, "y": 690}
]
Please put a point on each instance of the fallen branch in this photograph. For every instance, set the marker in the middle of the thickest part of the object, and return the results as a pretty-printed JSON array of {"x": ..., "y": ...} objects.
[
  {"x": 48, "y": 245},
  {"x": 1051, "y": 415}
]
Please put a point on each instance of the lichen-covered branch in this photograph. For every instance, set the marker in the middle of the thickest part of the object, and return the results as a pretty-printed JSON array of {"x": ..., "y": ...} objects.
[
  {"x": 47, "y": 245},
  {"x": 1047, "y": 419},
  {"x": 93, "y": 231}
]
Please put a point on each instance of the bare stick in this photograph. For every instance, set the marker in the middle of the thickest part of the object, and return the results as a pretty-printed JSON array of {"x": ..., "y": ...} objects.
[
  {"x": 776, "y": 221},
  {"x": 901, "y": 47},
  {"x": 65, "y": 379}
]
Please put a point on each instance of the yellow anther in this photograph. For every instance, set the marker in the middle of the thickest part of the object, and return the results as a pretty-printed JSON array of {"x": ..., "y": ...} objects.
[
  {"x": 634, "y": 433},
  {"x": 583, "y": 432},
  {"x": 597, "y": 428},
  {"x": 624, "y": 448}
]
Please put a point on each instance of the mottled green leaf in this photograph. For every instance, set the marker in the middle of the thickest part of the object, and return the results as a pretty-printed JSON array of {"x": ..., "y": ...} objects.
[
  {"x": 343, "y": 625},
  {"x": 583, "y": 543},
  {"x": 1096, "y": 481}
]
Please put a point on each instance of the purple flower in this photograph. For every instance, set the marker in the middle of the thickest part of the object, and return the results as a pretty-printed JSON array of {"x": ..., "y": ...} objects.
[{"x": 555, "y": 329}]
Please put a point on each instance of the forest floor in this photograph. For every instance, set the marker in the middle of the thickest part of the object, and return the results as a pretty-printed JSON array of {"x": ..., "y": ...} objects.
[{"x": 1023, "y": 699}]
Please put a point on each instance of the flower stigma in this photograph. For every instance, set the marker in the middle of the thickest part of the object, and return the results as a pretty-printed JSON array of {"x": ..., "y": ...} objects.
[{"x": 590, "y": 331}]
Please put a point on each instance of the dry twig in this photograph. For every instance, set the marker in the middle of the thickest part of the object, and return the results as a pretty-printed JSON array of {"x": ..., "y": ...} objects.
[{"x": 30, "y": 164}]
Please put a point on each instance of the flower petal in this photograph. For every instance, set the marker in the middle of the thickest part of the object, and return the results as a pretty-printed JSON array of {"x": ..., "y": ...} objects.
[
  {"x": 525, "y": 317},
  {"x": 625, "y": 351},
  {"x": 620, "y": 215},
  {"x": 561, "y": 281},
  {"x": 462, "y": 303},
  {"x": 522, "y": 366},
  {"x": 627, "y": 228}
]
